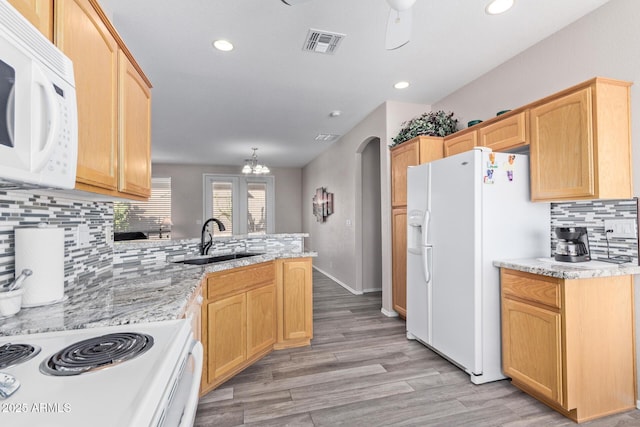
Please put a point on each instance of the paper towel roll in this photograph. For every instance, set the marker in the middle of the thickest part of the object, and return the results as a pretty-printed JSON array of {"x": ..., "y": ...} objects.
[{"x": 41, "y": 250}]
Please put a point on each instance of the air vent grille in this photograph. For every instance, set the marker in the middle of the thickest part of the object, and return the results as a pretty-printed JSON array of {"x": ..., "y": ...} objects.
[
  {"x": 326, "y": 137},
  {"x": 319, "y": 41}
]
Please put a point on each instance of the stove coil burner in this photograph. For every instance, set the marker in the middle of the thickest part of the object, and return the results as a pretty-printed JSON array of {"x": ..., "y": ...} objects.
[
  {"x": 96, "y": 353},
  {"x": 13, "y": 354}
]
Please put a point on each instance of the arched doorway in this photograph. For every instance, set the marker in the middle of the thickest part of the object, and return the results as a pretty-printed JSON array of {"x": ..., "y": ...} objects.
[{"x": 369, "y": 218}]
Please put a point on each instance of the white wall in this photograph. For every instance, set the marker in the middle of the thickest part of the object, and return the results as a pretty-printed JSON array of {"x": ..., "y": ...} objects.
[
  {"x": 604, "y": 43},
  {"x": 339, "y": 169},
  {"x": 186, "y": 196}
]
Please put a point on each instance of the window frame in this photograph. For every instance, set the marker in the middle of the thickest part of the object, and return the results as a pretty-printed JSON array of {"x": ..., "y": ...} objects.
[{"x": 239, "y": 203}]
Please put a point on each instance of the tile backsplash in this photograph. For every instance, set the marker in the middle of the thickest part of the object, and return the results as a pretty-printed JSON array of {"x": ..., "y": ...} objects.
[
  {"x": 27, "y": 208},
  {"x": 22, "y": 208},
  {"x": 591, "y": 214}
]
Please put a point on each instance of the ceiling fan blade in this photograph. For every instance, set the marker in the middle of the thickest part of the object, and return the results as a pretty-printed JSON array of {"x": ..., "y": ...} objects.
[
  {"x": 294, "y": 2},
  {"x": 398, "y": 28}
]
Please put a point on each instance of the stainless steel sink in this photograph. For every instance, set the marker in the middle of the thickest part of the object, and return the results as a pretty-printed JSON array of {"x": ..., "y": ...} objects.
[{"x": 209, "y": 259}]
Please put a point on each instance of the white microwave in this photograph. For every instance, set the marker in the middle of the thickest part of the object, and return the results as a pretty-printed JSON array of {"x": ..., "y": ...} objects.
[{"x": 38, "y": 113}]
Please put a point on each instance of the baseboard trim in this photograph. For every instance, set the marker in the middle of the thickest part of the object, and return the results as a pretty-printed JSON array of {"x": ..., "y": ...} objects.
[
  {"x": 347, "y": 287},
  {"x": 389, "y": 313},
  {"x": 638, "y": 404},
  {"x": 372, "y": 290}
]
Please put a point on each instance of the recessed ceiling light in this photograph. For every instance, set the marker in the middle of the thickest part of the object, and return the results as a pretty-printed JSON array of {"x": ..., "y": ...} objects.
[
  {"x": 497, "y": 7},
  {"x": 223, "y": 45},
  {"x": 401, "y": 85}
]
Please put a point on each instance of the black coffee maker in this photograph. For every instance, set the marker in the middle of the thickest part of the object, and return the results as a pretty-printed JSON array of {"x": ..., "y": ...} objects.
[{"x": 573, "y": 244}]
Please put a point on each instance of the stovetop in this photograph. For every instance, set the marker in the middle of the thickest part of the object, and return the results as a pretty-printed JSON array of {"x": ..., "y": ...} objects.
[{"x": 123, "y": 393}]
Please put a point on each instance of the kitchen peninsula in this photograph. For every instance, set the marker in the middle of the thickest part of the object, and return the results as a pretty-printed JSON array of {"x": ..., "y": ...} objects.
[{"x": 144, "y": 287}]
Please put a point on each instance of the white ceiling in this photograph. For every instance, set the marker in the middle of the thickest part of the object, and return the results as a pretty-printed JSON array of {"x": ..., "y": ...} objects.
[{"x": 211, "y": 107}]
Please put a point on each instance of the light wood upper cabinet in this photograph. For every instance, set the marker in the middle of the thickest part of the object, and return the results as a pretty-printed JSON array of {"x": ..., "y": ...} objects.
[
  {"x": 114, "y": 103},
  {"x": 431, "y": 148},
  {"x": 505, "y": 134},
  {"x": 460, "y": 142},
  {"x": 295, "y": 302},
  {"x": 38, "y": 12},
  {"x": 570, "y": 342},
  {"x": 83, "y": 36},
  {"x": 134, "y": 143},
  {"x": 581, "y": 144},
  {"x": 402, "y": 156}
]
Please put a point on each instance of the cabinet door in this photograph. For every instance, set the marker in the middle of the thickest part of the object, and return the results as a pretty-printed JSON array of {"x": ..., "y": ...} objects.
[
  {"x": 531, "y": 348},
  {"x": 399, "y": 260},
  {"x": 38, "y": 12},
  {"x": 295, "y": 301},
  {"x": 134, "y": 142},
  {"x": 261, "y": 319},
  {"x": 562, "y": 148},
  {"x": 431, "y": 148},
  {"x": 460, "y": 144},
  {"x": 508, "y": 133},
  {"x": 226, "y": 329},
  {"x": 403, "y": 156},
  {"x": 83, "y": 37}
]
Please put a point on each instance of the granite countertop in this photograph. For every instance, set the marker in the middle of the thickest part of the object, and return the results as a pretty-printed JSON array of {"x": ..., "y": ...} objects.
[
  {"x": 138, "y": 294},
  {"x": 567, "y": 270}
]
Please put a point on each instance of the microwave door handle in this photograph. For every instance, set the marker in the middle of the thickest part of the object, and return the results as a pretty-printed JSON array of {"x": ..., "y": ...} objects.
[
  {"x": 11, "y": 114},
  {"x": 42, "y": 155}
]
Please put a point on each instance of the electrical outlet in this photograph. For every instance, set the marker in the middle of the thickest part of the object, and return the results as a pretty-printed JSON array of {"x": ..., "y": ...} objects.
[
  {"x": 620, "y": 228},
  {"x": 83, "y": 236}
]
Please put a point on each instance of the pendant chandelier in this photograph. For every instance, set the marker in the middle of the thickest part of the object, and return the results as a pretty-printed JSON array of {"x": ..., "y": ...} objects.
[{"x": 251, "y": 166}]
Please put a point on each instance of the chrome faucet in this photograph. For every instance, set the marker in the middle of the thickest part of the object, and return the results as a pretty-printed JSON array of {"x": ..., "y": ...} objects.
[{"x": 204, "y": 247}]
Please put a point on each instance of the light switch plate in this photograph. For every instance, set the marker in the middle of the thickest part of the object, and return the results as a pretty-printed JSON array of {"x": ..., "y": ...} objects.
[{"x": 620, "y": 228}]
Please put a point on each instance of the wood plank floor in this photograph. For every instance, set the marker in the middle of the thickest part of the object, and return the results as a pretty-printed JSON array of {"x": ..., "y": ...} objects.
[{"x": 362, "y": 371}]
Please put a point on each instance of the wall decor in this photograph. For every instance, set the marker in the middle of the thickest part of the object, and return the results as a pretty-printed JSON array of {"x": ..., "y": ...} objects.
[{"x": 322, "y": 204}]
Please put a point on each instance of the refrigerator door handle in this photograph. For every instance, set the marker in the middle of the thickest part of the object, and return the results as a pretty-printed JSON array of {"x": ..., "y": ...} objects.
[
  {"x": 425, "y": 227},
  {"x": 426, "y": 263}
]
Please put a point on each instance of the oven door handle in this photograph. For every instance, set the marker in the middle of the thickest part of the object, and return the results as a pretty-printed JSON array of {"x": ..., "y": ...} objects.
[{"x": 189, "y": 414}]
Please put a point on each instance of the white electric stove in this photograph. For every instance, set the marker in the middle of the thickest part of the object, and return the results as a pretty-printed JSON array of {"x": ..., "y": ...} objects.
[{"x": 145, "y": 374}]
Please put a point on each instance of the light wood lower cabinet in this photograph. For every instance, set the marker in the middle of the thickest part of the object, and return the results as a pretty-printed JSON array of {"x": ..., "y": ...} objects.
[
  {"x": 261, "y": 319},
  {"x": 295, "y": 302},
  {"x": 227, "y": 331},
  {"x": 570, "y": 343},
  {"x": 250, "y": 311},
  {"x": 399, "y": 260}
]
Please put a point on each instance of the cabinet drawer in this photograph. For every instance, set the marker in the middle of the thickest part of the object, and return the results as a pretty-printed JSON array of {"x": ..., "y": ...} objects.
[
  {"x": 531, "y": 287},
  {"x": 239, "y": 279}
]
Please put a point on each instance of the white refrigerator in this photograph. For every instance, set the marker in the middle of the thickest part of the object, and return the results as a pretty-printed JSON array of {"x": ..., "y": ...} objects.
[{"x": 464, "y": 212}]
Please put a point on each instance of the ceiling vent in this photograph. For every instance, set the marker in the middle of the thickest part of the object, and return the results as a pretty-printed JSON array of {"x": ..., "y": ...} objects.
[
  {"x": 319, "y": 41},
  {"x": 326, "y": 137}
]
